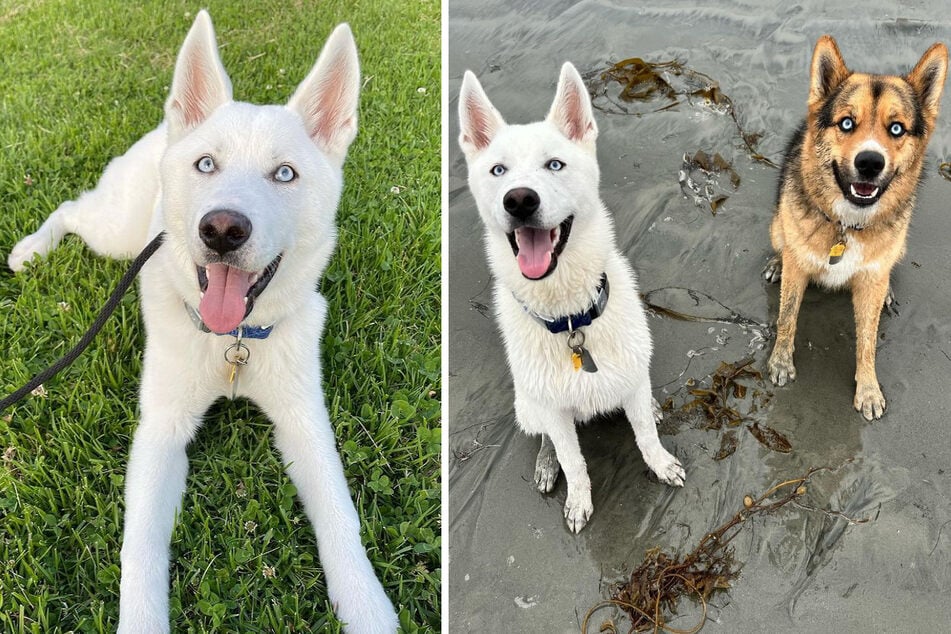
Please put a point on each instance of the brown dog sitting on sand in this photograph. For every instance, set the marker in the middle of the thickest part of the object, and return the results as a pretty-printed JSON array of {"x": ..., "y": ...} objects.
[{"x": 846, "y": 193}]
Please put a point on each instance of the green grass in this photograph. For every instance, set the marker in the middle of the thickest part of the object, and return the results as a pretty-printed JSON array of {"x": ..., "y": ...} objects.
[{"x": 81, "y": 82}]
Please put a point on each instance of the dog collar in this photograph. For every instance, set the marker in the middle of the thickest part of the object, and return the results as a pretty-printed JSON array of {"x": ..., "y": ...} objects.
[
  {"x": 837, "y": 250},
  {"x": 245, "y": 332},
  {"x": 573, "y": 322},
  {"x": 840, "y": 223}
]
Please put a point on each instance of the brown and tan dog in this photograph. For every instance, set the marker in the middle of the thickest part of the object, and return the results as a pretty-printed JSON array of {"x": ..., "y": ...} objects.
[{"x": 846, "y": 193}]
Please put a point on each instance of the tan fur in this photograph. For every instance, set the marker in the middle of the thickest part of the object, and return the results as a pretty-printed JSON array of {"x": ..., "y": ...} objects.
[{"x": 812, "y": 202}]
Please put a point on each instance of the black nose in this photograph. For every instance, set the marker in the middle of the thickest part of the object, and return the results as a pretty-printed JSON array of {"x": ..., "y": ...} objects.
[
  {"x": 521, "y": 202},
  {"x": 224, "y": 230},
  {"x": 869, "y": 164}
]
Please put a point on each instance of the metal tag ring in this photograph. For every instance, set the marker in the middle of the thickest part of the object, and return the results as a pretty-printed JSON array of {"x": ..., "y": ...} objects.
[
  {"x": 575, "y": 339},
  {"x": 237, "y": 353}
]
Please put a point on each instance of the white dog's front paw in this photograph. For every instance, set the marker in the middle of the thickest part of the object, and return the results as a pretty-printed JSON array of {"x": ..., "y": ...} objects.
[
  {"x": 547, "y": 468},
  {"x": 578, "y": 508},
  {"x": 367, "y": 612},
  {"x": 667, "y": 468},
  {"x": 25, "y": 249}
]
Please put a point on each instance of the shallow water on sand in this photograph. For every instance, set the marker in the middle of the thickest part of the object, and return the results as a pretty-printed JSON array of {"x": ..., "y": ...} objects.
[{"x": 513, "y": 565}]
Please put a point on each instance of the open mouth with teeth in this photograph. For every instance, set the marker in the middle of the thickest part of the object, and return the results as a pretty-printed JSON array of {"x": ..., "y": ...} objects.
[
  {"x": 860, "y": 193},
  {"x": 228, "y": 294},
  {"x": 537, "y": 249}
]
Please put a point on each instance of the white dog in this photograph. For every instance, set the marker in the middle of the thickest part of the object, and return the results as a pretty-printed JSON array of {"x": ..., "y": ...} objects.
[
  {"x": 247, "y": 197},
  {"x": 566, "y": 300}
]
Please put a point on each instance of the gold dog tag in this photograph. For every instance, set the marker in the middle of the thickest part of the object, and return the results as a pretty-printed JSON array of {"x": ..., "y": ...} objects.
[
  {"x": 835, "y": 253},
  {"x": 580, "y": 357},
  {"x": 582, "y": 360},
  {"x": 237, "y": 355}
]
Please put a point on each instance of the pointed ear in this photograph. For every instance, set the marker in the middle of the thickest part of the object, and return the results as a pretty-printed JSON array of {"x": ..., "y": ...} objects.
[
  {"x": 328, "y": 97},
  {"x": 927, "y": 78},
  {"x": 571, "y": 111},
  {"x": 828, "y": 69},
  {"x": 479, "y": 121},
  {"x": 200, "y": 83}
]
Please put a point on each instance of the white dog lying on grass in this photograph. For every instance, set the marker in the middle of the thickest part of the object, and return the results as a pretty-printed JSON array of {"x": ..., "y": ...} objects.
[{"x": 247, "y": 197}]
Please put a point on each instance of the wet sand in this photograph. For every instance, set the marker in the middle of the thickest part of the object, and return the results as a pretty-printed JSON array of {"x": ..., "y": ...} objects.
[{"x": 513, "y": 566}]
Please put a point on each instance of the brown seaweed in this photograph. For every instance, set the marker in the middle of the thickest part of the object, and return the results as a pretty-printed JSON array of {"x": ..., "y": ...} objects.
[
  {"x": 719, "y": 405},
  {"x": 728, "y": 445},
  {"x": 708, "y": 308},
  {"x": 770, "y": 438},
  {"x": 699, "y": 179},
  {"x": 656, "y": 587},
  {"x": 715, "y": 402},
  {"x": 673, "y": 81},
  {"x": 640, "y": 80}
]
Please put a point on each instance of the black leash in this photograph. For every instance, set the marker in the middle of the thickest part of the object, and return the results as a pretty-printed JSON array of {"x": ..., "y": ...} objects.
[{"x": 97, "y": 325}]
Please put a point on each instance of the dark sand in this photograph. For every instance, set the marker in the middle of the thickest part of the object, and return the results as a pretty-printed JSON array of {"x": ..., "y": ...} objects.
[{"x": 513, "y": 566}]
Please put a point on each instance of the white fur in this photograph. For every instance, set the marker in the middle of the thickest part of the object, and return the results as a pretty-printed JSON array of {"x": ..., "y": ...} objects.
[
  {"x": 871, "y": 145},
  {"x": 184, "y": 371},
  {"x": 550, "y": 396},
  {"x": 854, "y": 215},
  {"x": 839, "y": 274}
]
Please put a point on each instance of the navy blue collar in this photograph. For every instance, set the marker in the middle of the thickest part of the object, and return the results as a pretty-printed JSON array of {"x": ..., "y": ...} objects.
[
  {"x": 246, "y": 332},
  {"x": 573, "y": 322}
]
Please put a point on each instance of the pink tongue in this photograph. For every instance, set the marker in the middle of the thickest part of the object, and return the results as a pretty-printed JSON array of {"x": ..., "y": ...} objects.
[
  {"x": 863, "y": 189},
  {"x": 222, "y": 308},
  {"x": 534, "y": 251}
]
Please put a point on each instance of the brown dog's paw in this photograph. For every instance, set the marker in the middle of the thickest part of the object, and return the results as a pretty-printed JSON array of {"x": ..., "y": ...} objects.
[
  {"x": 774, "y": 269},
  {"x": 870, "y": 401},
  {"x": 781, "y": 368},
  {"x": 891, "y": 304}
]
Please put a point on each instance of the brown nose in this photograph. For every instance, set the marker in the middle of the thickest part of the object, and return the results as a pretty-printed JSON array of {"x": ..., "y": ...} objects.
[{"x": 224, "y": 230}]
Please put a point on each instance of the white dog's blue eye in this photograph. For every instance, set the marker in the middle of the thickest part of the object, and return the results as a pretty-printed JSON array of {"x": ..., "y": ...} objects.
[
  {"x": 847, "y": 124},
  {"x": 285, "y": 174},
  {"x": 896, "y": 129},
  {"x": 205, "y": 164},
  {"x": 498, "y": 170},
  {"x": 554, "y": 165}
]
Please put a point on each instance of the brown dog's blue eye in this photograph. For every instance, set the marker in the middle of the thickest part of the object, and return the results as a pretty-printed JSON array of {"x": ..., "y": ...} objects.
[
  {"x": 847, "y": 124},
  {"x": 498, "y": 170},
  {"x": 896, "y": 129},
  {"x": 554, "y": 165}
]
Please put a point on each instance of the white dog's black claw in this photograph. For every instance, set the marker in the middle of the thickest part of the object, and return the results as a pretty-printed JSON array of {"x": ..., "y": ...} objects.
[
  {"x": 672, "y": 474},
  {"x": 577, "y": 518},
  {"x": 547, "y": 467},
  {"x": 546, "y": 472},
  {"x": 578, "y": 510}
]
